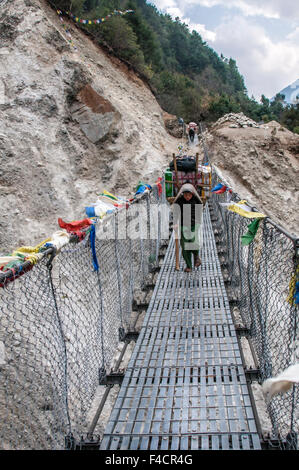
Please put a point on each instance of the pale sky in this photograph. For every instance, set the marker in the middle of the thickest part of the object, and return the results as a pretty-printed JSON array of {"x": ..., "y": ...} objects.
[{"x": 261, "y": 35}]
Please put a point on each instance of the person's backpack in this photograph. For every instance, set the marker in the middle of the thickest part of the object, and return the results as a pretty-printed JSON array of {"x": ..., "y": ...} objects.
[{"x": 184, "y": 164}]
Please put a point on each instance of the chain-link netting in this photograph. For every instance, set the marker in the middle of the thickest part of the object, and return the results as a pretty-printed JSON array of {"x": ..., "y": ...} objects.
[
  {"x": 260, "y": 279},
  {"x": 62, "y": 321}
]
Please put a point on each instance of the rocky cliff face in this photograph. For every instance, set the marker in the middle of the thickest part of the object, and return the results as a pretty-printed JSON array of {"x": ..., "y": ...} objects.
[{"x": 72, "y": 123}]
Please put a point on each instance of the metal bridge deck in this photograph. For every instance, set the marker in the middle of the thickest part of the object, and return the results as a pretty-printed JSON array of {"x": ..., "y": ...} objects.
[{"x": 185, "y": 386}]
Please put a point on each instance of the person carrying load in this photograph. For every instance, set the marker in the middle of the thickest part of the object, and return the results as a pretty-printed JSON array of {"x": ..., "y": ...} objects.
[
  {"x": 187, "y": 215},
  {"x": 191, "y": 130}
]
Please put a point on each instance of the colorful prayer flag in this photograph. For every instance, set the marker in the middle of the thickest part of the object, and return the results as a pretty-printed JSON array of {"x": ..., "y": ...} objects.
[
  {"x": 221, "y": 190},
  {"x": 244, "y": 210},
  {"x": 248, "y": 237},
  {"x": 218, "y": 186}
]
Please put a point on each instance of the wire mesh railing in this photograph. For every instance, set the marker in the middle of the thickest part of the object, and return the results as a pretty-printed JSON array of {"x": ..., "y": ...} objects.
[
  {"x": 62, "y": 321},
  {"x": 260, "y": 278}
]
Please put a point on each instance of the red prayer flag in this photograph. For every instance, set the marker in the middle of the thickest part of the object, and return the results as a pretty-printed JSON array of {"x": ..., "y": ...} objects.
[{"x": 221, "y": 190}]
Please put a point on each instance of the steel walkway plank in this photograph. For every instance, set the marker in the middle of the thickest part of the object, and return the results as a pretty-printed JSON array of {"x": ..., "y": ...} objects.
[
  {"x": 185, "y": 386},
  {"x": 193, "y": 346}
]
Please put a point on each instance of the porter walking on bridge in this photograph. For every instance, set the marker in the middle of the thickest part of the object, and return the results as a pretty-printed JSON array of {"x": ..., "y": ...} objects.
[{"x": 188, "y": 209}]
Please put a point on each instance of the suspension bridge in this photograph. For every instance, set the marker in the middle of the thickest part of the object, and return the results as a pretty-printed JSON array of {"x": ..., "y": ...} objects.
[
  {"x": 65, "y": 311},
  {"x": 185, "y": 385}
]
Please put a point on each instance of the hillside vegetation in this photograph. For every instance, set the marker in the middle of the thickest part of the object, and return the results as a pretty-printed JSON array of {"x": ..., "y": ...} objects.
[{"x": 188, "y": 77}]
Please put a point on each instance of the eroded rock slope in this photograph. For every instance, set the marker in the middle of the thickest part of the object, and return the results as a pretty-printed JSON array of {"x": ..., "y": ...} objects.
[{"x": 73, "y": 122}]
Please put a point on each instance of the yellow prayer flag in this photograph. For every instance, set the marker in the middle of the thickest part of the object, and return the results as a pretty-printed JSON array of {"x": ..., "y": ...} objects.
[
  {"x": 244, "y": 210},
  {"x": 292, "y": 285},
  {"x": 30, "y": 249},
  {"x": 106, "y": 193}
]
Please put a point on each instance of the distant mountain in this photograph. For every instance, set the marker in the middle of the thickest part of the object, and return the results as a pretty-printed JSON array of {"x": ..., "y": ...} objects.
[{"x": 291, "y": 92}]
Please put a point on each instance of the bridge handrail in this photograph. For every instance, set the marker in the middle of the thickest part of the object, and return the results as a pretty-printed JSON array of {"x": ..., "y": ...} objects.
[
  {"x": 261, "y": 281},
  {"x": 63, "y": 321}
]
